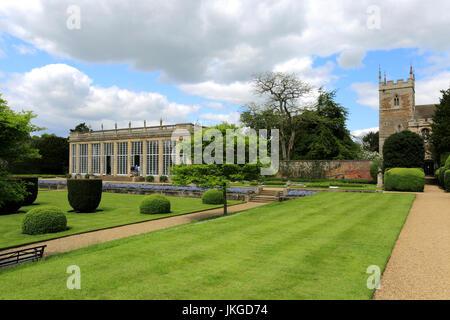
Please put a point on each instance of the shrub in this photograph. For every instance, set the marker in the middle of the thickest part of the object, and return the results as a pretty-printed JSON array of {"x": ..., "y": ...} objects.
[
  {"x": 444, "y": 157},
  {"x": 154, "y": 204},
  {"x": 31, "y": 186},
  {"x": 213, "y": 196},
  {"x": 374, "y": 166},
  {"x": 149, "y": 178},
  {"x": 447, "y": 180},
  {"x": 404, "y": 179},
  {"x": 13, "y": 196},
  {"x": 251, "y": 172},
  {"x": 45, "y": 219},
  {"x": 404, "y": 150},
  {"x": 84, "y": 195},
  {"x": 163, "y": 179},
  {"x": 447, "y": 163},
  {"x": 441, "y": 177}
]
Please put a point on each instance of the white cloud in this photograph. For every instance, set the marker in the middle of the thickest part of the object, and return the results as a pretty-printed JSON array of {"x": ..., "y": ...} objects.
[
  {"x": 23, "y": 49},
  {"x": 232, "y": 117},
  {"x": 367, "y": 94},
  {"x": 63, "y": 96},
  {"x": 214, "y": 105},
  {"x": 224, "y": 41},
  {"x": 428, "y": 90},
  {"x": 362, "y": 132},
  {"x": 236, "y": 92}
]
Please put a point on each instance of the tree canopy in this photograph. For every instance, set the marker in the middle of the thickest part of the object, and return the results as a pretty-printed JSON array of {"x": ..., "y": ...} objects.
[
  {"x": 440, "y": 134},
  {"x": 403, "y": 149}
]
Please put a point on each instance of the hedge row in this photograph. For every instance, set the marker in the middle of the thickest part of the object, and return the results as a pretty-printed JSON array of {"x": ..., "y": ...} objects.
[
  {"x": 31, "y": 186},
  {"x": 404, "y": 179}
]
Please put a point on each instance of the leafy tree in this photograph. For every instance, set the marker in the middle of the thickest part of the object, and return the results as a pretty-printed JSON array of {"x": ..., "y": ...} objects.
[
  {"x": 54, "y": 153},
  {"x": 15, "y": 130},
  {"x": 371, "y": 142},
  {"x": 216, "y": 174},
  {"x": 81, "y": 128},
  {"x": 283, "y": 93},
  {"x": 440, "y": 134},
  {"x": 403, "y": 150}
]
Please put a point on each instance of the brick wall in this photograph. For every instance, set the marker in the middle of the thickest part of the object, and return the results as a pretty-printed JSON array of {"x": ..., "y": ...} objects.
[{"x": 326, "y": 169}]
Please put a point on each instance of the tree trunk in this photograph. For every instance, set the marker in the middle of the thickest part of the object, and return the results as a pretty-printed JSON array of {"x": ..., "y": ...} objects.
[{"x": 224, "y": 189}]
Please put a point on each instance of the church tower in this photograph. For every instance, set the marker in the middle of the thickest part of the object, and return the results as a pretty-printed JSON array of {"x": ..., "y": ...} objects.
[{"x": 397, "y": 103}]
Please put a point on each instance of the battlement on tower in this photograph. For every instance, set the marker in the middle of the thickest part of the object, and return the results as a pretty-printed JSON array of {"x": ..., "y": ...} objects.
[{"x": 401, "y": 83}]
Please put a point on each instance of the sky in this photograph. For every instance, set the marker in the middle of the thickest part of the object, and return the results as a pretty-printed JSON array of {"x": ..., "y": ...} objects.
[{"x": 111, "y": 61}]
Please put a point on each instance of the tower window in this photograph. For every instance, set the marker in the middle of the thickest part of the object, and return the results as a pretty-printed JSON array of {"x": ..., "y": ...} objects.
[
  {"x": 425, "y": 133},
  {"x": 396, "y": 100}
]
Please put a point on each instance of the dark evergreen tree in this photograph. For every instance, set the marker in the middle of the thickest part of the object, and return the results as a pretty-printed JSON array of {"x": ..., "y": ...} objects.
[{"x": 403, "y": 150}]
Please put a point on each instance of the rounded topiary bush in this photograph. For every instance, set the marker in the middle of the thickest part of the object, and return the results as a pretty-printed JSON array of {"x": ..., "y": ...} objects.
[
  {"x": 163, "y": 179},
  {"x": 404, "y": 150},
  {"x": 149, "y": 178},
  {"x": 45, "y": 219},
  {"x": 213, "y": 196},
  {"x": 404, "y": 179},
  {"x": 154, "y": 204},
  {"x": 84, "y": 195}
]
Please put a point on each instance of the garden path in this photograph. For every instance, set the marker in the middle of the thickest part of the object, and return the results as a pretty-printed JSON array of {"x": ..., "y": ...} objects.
[{"x": 419, "y": 267}]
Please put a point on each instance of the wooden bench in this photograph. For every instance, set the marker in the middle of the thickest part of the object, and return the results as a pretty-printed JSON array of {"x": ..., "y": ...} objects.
[{"x": 15, "y": 257}]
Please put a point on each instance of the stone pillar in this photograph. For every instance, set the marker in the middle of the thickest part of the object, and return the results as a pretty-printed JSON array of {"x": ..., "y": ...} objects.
[
  {"x": 380, "y": 179},
  {"x": 70, "y": 158},
  {"x": 102, "y": 152},
  {"x": 114, "y": 170},
  {"x": 144, "y": 159},
  {"x": 177, "y": 152},
  {"x": 129, "y": 158},
  {"x": 89, "y": 170},
  {"x": 160, "y": 157},
  {"x": 78, "y": 157}
]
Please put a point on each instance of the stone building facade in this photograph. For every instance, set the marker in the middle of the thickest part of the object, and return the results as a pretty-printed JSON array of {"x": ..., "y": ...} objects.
[
  {"x": 398, "y": 111},
  {"x": 116, "y": 152}
]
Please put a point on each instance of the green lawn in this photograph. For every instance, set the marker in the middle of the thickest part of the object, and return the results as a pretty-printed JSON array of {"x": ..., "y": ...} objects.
[
  {"x": 114, "y": 210},
  {"x": 317, "y": 247}
]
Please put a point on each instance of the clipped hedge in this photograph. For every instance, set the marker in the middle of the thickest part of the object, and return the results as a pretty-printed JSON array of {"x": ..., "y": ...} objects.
[
  {"x": 441, "y": 176},
  {"x": 154, "y": 204},
  {"x": 9, "y": 205},
  {"x": 213, "y": 196},
  {"x": 404, "y": 179},
  {"x": 403, "y": 149},
  {"x": 45, "y": 219},
  {"x": 163, "y": 179},
  {"x": 84, "y": 195},
  {"x": 32, "y": 186},
  {"x": 149, "y": 178},
  {"x": 447, "y": 180}
]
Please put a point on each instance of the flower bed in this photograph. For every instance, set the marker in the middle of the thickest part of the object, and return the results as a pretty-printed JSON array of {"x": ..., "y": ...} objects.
[
  {"x": 181, "y": 191},
  {"x": 299, "y": 193}
]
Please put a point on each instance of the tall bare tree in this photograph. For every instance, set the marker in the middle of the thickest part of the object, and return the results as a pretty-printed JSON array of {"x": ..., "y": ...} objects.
[{"x": 283, "y": 93}]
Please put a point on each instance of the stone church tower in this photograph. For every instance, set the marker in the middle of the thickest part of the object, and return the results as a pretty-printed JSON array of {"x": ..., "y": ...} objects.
[
  {"x": 397, "y": 105},
  {"x": 398, "y": 111}
]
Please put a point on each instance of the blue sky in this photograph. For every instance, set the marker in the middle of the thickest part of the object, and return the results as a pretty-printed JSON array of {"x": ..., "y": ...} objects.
[{"x": 192, "y": 61}]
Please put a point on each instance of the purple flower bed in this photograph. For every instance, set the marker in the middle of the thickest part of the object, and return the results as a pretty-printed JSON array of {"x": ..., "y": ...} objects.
[
  {"x": 152, "y": 187},
  {"x": 299, "y": 193}
]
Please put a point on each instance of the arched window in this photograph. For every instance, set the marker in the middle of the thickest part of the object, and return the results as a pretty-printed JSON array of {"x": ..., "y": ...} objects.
[
  {"x": 425, "y": 133},
  {"x": 399, "y": 128},
  {"x": 396, "y": 100}
]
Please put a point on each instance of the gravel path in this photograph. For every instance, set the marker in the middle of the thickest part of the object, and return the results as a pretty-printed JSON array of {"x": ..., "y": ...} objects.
[
  {"x": 419, "y": 267},
  {"x": 85, "y": 239}
]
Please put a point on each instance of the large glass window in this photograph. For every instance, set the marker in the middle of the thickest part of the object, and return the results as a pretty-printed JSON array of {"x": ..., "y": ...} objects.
[
  {"x": 74, "y": 158},
  {"x": 168, "y": 155},
  {"x": 83, "y": 158},
  {"x": 152, "y": 157},
  {"x": 136, "y": 154},
  {"x": 95, "y": 159},
  {"x": 122, "y": 158},
  {"x": 108, "y": 158}
]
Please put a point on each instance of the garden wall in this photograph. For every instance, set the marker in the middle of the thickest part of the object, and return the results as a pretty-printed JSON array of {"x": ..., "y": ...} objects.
[{"x": 326, "y": 169}]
